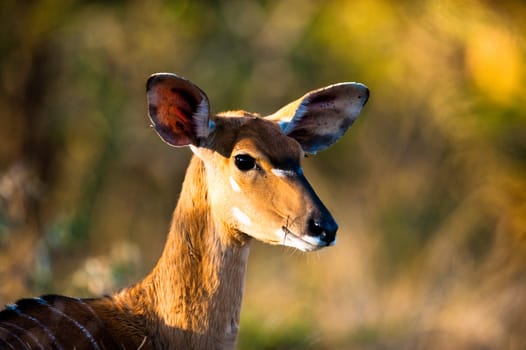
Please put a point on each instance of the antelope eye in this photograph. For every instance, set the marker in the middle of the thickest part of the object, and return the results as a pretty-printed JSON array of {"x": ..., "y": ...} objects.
[{"x": 244, "y": 162}]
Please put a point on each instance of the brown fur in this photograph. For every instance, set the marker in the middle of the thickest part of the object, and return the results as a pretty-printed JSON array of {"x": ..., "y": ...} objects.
[
  {"x": 192, "y": 298},
  {"x": 193, "y": 295}
]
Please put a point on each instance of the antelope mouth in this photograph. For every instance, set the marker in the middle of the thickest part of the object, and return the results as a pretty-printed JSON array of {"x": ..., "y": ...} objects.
[{"x": 304, "y": 243}]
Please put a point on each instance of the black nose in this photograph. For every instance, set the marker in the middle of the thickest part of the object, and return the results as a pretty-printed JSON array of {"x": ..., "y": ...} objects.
[{"x": 324, "y": 229}]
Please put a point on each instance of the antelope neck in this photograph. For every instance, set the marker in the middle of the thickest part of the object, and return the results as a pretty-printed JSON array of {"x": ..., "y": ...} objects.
[{"x": 197, "y": 285}]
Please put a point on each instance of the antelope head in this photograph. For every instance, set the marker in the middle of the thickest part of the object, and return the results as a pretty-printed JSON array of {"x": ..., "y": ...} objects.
[{"x": 253, "y": 174}]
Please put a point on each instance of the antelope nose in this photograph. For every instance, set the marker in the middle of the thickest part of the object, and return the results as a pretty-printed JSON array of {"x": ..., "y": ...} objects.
[{"x": 324, "y": 229}]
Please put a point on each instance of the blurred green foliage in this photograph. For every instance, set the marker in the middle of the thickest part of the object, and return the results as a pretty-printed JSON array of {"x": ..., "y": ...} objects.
[{"x": 429, "y": 187}]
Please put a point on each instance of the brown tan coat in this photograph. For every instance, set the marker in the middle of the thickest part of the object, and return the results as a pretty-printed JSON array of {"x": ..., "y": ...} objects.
[{"x": 245, "y": 181}]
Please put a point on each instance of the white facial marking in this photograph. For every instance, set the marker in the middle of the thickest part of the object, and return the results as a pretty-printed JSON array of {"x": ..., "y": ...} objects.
[
  {"x": 305, "y": 243},
  {"x": 317, "y": 241},
  {"x": 281, "y": 234},
  {"x": 195, "y": 149},
  {"x": 241, "y": 217},
  {"x": 234, "y": 184},
  {"x": 283, "y": 172}
]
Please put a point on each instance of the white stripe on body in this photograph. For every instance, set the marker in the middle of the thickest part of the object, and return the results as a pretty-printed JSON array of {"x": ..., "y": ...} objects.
[
  {"x": 3, "y": 341},
  {"x": 25, "y": 331},
  {"x": 46, "y": 330},
  {"x": 90, "y": 309},
  {"x": 75, "y": 322}
]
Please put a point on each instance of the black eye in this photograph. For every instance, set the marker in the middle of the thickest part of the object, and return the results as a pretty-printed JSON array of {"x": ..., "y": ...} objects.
[{"x": 244, "y": 162}]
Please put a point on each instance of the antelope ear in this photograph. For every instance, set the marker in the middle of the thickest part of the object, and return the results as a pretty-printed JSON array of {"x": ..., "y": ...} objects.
[
  {"x": 179, "y": 110},
  {"x": 321, "y": 117}
]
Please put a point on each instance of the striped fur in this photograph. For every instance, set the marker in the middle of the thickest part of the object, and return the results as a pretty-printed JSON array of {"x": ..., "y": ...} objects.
[{"x": 58, "y": 322}]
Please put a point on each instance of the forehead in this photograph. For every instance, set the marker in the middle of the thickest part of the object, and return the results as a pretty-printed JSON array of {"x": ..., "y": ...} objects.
[{"x": 261, "y": 137}]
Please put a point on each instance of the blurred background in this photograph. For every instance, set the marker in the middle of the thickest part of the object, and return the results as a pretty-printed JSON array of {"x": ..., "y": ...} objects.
[{"x": 428, "y": 186}]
